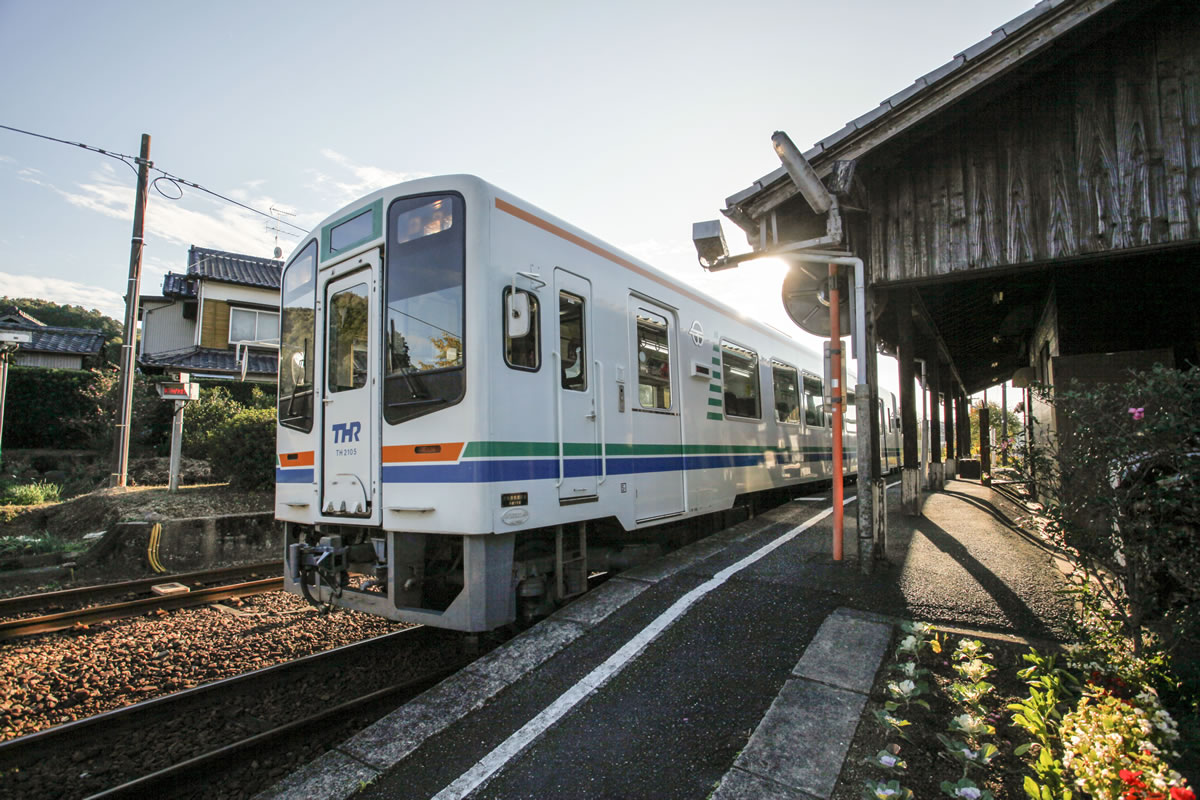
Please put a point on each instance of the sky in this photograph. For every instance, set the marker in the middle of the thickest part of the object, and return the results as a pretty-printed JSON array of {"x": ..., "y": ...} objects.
[{"x": 631, "y": 119}]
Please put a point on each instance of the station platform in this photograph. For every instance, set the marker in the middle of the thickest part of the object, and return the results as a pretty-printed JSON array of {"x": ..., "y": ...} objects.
[{"x": 737, "y": 667}]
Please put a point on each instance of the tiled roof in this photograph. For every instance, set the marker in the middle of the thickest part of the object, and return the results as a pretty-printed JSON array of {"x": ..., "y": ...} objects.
[
  {"x": 49, "y": 339},
  {"x": 207, "y": 359},
  {"x": 246, "y": 270},
  {"x": 17, "y": 316}
]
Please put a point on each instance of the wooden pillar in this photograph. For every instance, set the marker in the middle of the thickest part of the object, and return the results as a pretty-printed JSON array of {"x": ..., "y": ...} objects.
[
  {"x": 872, "y": 504},
  {"x": 962, "y": 415},
  {"x": 950, "y": 468},
  {"x": 985, "y": 445},
  {"x": 910, "y": 473},
  {"x": 936, "y": 475}
]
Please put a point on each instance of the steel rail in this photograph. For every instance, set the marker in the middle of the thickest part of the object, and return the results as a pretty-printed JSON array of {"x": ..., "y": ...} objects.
[
  {"x": 29, "y": 602},
  {"x": 18, "y": 751},
  {"x": 178, "y": 775},
  {"x": 48, "y": 623}
]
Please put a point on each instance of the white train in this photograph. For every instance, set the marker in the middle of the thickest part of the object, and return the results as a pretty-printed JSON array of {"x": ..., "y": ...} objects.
[{"x": 478, "y": 403}]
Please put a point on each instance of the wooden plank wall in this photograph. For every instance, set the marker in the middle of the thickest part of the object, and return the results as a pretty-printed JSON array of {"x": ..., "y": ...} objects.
[
  {"x": 1100, "y": 154},
  {"x": 214, "y": 328}
]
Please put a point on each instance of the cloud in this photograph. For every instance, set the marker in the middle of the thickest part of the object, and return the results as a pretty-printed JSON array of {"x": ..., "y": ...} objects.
[
  {"x": 62, "y": 291},
  {"x": 362, "y": 179},
  {"x": 215, "y": 224}
]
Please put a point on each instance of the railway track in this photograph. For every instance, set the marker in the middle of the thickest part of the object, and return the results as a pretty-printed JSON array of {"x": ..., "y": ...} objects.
[
  {"x": 46, "y": 623},
  {"x": 174, "y": 743},
  {"x": 88, "y": 594}
]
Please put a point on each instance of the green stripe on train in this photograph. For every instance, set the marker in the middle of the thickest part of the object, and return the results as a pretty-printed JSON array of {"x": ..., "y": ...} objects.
[{"x": 550, "y": 449}]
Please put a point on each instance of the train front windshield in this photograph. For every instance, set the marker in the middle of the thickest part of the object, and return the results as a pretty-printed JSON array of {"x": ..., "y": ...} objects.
[{"x": 426, "y": 264}]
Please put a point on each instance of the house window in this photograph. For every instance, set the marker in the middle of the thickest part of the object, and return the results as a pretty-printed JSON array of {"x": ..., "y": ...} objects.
[{"x": 251, "y": 325}]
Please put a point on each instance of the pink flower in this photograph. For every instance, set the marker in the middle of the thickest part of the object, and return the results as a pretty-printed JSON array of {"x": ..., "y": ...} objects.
[{"x": 1138, "y": 413}]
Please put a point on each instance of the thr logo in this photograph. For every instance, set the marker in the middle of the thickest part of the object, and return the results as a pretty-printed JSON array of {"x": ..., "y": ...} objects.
[{"x": 346, "y": 432}]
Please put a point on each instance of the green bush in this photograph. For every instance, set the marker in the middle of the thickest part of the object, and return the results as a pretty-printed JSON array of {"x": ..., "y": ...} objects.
[
  {"x": 1123, "y": 490},
  {"x": 203, "y": 417},
  {"x": 53, "y": 408},
  {"x": 245, "y": 448},
  {"x": 30, "y": 494}
]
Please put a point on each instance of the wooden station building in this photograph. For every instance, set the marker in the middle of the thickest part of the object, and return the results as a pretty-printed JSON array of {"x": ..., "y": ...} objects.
[{"x": 1033, "y": 203}]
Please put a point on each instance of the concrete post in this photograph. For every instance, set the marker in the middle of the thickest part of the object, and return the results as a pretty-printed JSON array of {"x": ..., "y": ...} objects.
[{"x": 176, "y": 445}]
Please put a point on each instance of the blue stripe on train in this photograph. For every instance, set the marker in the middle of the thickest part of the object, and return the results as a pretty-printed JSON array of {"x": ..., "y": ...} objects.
[
  {"x": 294, "y": 475},
  {"x": 547, "y": 468}
]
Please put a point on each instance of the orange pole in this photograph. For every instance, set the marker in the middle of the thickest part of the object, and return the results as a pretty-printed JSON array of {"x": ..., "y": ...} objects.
[{"x": 835, "y": 367}]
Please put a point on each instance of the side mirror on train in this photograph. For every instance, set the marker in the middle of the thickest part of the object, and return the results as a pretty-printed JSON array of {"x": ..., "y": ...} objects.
[{"x": 516, "y": 315}]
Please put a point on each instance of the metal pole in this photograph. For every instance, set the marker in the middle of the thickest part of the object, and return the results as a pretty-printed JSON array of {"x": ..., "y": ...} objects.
[
  {"x": 835, "y": 393},
  {"x": 176, "y": 444},
  {"x": 120, "y": 457},
  {"x": 3, "y": 392}
]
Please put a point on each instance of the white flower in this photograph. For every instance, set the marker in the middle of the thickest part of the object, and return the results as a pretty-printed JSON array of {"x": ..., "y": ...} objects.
[
  {"x": 888, "y": 761},
  {"x": 969, "y": 792}
]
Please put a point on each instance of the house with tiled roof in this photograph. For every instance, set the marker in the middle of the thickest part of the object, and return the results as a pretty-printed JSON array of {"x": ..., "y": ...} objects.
[
  {"x": 219, "y": 319},
  {"x": 51, "y": 346}
]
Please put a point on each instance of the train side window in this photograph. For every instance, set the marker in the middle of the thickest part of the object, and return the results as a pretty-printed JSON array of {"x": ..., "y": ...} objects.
[
  {"x": 571, "y": 341},
  {"x": 654, "y": 361},
  {"x": 524, "y": 352},
  {"x": 739, "y": 368},
  {"x": 814, "y": 417},
  {"x": 787, "y": 394}
]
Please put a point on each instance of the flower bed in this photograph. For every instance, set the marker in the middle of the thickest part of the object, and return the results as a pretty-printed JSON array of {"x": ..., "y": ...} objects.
[{"x": 989, "y": 718}]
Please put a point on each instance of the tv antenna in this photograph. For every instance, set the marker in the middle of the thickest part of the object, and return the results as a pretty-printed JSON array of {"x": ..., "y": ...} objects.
[{"x": 274, "y": 228}]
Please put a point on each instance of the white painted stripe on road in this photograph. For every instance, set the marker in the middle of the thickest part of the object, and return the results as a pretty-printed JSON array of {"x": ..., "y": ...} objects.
[{"x": 511, "y": 747}]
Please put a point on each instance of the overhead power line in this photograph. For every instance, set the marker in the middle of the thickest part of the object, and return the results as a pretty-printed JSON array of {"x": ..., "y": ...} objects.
[{"x": 176, "y": 180}]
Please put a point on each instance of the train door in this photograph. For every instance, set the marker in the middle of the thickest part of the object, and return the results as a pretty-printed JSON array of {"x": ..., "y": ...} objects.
[
  {"x": 348, "y": 468},
  {"x": 575, "y": 390},
  {"x": 657, "y": 422}
]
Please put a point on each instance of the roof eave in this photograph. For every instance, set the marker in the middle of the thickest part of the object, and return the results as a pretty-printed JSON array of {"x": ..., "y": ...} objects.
[{"x": 1009, "y": 45}]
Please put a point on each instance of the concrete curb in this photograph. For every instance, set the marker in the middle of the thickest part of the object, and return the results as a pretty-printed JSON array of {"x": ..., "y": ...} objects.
[{"x": 797, "y": 751}]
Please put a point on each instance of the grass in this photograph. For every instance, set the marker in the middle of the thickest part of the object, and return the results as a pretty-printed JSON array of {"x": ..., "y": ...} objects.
[
  {"x": 36, "y": 544},
  {"x": 30, "y": 494}
]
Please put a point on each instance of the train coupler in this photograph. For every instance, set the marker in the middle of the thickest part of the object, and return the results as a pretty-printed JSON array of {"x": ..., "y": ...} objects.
[{"x": 326, "y": 562}]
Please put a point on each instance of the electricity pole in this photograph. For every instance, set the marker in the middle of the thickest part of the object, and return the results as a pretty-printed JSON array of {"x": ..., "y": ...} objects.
[{"x": 120, "y": 458}]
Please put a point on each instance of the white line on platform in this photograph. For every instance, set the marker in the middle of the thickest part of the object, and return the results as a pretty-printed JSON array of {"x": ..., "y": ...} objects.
[{"x": 511, "y": 747}]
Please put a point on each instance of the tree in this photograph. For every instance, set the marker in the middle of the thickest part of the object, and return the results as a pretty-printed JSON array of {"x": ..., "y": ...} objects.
[
  {"x": 69, "y": 316},
  {"x": 1015, "y": 427}
]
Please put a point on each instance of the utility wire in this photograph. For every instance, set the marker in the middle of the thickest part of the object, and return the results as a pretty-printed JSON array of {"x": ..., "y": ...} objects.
[{"x": 129, "y": 161}]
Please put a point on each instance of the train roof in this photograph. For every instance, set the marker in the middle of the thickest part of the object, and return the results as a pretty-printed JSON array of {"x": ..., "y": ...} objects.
[{"x": 473, "y": 183}]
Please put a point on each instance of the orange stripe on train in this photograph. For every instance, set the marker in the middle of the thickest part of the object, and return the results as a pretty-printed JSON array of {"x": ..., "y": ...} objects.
[
  {"x": 403, "y": 453},
  {"x": 304, "y": 459}
]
